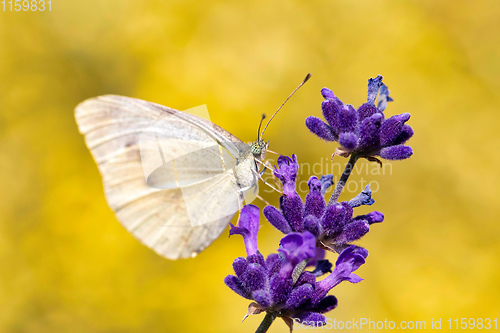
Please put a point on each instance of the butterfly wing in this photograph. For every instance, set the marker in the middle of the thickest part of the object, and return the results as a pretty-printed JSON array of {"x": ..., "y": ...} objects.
[{"x": 168, "y": 175}]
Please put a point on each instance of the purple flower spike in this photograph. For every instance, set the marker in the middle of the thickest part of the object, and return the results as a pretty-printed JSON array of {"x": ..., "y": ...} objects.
[
  {"x": 296, "y": 248},
  {"x": 363, "y": 132},
  {"x": 248, "y": 227},
  {"x": 348, "y": 261}
]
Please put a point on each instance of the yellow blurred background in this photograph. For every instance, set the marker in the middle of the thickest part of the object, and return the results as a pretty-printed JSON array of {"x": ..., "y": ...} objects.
[{"x": 67, "y": 265}]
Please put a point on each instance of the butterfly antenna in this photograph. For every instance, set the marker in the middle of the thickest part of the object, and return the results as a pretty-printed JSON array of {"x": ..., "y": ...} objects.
[
  {"x": 260, "y": 124},
  {"x": 308, "y": 76}
]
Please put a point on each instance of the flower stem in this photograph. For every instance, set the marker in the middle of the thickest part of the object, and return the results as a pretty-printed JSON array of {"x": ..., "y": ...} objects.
[
  {"x": 343, "y": 179},
  {"x": 266, "y": 323}
]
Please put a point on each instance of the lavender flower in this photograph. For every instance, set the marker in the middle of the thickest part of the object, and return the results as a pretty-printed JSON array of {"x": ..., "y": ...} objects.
[
  {"x": 363, "y": 132},
  {"x": 279, "y": 285},
  {"x": 333, "y": 226}
]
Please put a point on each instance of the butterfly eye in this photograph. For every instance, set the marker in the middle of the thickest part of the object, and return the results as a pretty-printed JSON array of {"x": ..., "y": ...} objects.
[{"x": 256, "y": 148}]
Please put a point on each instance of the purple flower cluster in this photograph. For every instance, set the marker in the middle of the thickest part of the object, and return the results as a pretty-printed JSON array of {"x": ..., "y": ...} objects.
[
  {"x": 333, "y": 226},
  {"x": 365, "y": 131},
  {"x": 279, "y": 284}
]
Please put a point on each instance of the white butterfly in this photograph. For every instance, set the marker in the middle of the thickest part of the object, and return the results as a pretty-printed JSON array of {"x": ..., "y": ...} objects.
[
  {"x": 173, "y": 179},
  {"x": 176, "y": 207}
]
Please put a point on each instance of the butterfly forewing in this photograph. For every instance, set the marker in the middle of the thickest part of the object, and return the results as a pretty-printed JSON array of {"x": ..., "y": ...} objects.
[{"x": 168, "y": 175}]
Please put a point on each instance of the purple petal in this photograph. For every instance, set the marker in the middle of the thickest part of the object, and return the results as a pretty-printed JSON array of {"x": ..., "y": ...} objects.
[
  {"x": 311, "y": 224},
  {"x": 306, "y": 277},
  {"x": 369, "y": 132},
  {"x": 331, "y": 109},
  {"x": 322, "y": 267},
  {"x": 292, "y": 208},
  {"x": 353, "y": 231},
  {"x": 318, "y": 127},
  {"x": 313, "y": 319},
  {"x": 320, "y": 255},
  {"x": 366, "y": 110},
  {"x": 286, "y": 172},
  {"x": 403, "y": 117},
  {"x": 348, "y": 119},
  {"x": 287, "y": 168},
  {"x": 373, "y": 217},
  {"x": 237, "y": 286},
  {"x": 254, "y": 278},
  {"x": 273, "y": 264},
  {"x": 390, "y": 130},
  {"x": 299, "y": 296},
  {"x": 327, "y": 93},
  {"x": 256, "y": 258},
  {"x": 280, "y": 288},
  {"x": 348, "y": 141},
  {"x": 262, "y": 297},
  {"x": 335, "y": 218},
  {"x": 277, "y": 219},
  {"x": 326, "y": 304},
  {"x": 405, "y": 134},
  {"x": 348, "y": 261},
  {"x": 353, "y": 278},
  {"x": 315, "y": 202},
  {"x": 296, "y": 248},
  {"x": 248, "y": 227},
  {"x": 396, "y": 152},
  {"x": 240, "y": 265}
]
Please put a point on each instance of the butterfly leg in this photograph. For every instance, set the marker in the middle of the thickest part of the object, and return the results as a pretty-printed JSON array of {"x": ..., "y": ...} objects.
[
  {"x": 264, "y": 181},
  {"x": 266, "y": 166}
]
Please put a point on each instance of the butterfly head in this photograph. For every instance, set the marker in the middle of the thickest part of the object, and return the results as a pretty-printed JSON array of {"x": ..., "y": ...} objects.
[{"x": 259, "y": 149}]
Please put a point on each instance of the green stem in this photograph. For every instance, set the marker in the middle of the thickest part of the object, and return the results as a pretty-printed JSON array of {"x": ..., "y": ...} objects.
[
  {"x": 266, "y": 323},
  {"x": 343, "y": 179}
]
